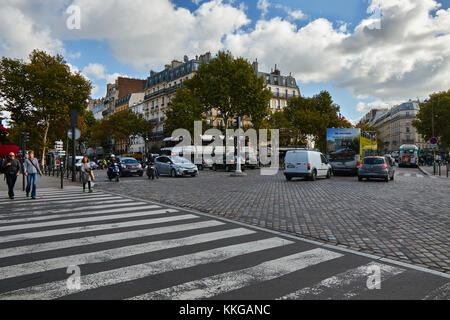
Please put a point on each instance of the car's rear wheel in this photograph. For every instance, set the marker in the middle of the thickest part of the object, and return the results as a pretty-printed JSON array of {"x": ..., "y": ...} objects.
[
  {"x": 329, "y": 174},
  {"x": 314, "y": 176},
  {"x": 173, "y": 174}
]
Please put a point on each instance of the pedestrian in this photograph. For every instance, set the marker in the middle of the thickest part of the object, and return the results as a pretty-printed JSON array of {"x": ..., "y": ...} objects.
[
  {"x": 11, "y": 168},
  {"x": 87, "y": 175},
  {"x": 31, "y": 169}
]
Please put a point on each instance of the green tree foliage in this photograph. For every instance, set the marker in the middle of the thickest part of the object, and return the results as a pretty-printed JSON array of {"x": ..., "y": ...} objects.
[
  {"x": 232, "y": 87},
  {"x": 122, "y": 126},
  {"x": 40, "y": 93},
  {"x": 439, "y": 104},
  {"x": 184, "y": 110},
  {"x": 310, "y": 116}
]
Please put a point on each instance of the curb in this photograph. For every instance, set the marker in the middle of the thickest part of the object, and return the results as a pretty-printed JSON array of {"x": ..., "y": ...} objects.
[{"x": 423, "y": 171}]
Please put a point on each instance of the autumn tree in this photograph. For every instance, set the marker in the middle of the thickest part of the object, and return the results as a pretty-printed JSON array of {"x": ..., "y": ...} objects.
[{"x": 438, "y": 105}]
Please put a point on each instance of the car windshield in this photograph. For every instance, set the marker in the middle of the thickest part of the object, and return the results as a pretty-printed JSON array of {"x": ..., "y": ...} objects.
[
  {"x": 372, "y": 161},
  {"x": 180, "y": 160},
  {"x": 129, "y": 161}
]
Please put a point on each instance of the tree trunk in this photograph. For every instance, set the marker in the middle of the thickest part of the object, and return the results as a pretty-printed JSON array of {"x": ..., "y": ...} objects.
[{"x": 47, "y": 126}]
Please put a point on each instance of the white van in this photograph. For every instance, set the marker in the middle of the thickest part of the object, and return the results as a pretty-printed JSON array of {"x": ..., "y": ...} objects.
[{"x": 306, "y": 164}]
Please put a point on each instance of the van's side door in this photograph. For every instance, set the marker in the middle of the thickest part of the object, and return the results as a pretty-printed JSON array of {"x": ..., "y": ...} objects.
[{"x": 324, "y": 165}]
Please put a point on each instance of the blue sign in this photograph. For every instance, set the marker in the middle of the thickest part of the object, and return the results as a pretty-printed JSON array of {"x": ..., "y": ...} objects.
[{"x": 434, "y": 141}]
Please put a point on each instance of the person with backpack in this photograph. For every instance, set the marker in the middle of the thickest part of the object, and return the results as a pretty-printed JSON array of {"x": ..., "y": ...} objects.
[
  {"x": 11, "y": 168},
  {"x": 31, "y": 170}
]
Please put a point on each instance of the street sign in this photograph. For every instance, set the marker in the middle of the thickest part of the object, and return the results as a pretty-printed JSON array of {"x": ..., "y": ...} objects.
[
  {"x": 434, "y": 141},
  {"x": 77, "y": 134}
]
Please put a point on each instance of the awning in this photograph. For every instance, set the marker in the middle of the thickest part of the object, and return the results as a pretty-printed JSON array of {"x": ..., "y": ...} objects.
[{"x": 5, "y": 150}]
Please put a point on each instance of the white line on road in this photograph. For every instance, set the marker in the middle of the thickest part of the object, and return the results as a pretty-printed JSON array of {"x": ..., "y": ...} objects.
[
  {"x": 70, "y": 212},
  {"x": 116, "y": 253},
  {"x": 48, "y": 246},
  {"x": 71, "y": 220},
  {"x": 344, "y": 285},
  {"x": 64, "y": 200},
  {"x": 58, "y": 232},
  {"x": 57, "y": 289},
  {"x": 221, "y": 283}
]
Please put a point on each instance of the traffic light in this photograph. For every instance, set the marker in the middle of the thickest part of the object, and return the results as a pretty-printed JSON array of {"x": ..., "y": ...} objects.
[{"x": 147, "y": 138}]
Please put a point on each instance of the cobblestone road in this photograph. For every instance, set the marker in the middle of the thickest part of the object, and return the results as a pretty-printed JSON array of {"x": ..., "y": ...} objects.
[{"x": 406, "y": 220}]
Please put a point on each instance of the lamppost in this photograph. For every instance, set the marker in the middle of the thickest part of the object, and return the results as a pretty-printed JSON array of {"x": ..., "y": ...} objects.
[{"x": 238, "y": 172}]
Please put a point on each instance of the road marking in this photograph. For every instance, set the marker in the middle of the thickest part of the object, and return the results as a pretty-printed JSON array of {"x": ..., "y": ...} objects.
[
  {"x": 70, "y": 212},
  {"x": 58, "y": 232},
  {"x": 407, "y": 174},
  {"x": 419, "y": 175},
  {"x": 57, "y": 289},
  {"x": 63, "y": 200},
  {"x": 71, "y": 220},
  {"x": 51, "y": 195},
  {"x": 441, "y": 293},
  {"x": 116, "y": 253},
  {"x": 48, "y": 246},
  {"x": 221, "y": 283},
  {"x": 344, "y": 285}
]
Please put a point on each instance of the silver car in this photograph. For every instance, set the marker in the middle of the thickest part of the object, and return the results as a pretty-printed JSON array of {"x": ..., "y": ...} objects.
[
  {"x": 377, "y": 168},
  {"x": 175, "y": 166}
]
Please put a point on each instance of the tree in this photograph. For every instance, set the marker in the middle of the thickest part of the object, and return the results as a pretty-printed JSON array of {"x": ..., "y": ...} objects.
[
  {"x": 232, "y": 87},
  {"x": 40, "y": 93},
  {"x": 122, "y": 126},
  {"x": 312, "y": 117},
  {"x": 184, "y": 110},
  {"x": 439, "y": 104}
]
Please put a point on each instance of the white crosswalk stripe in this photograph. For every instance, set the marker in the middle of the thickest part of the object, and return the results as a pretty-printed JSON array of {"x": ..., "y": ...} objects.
[
  {"x": 63, "y": 213},
  {"x": 48, "y": 246},
  {"x": 98, "y": 227},
  {"x": 215, "y": 285},
  {"x": 345, "y": 285},
  {"x": 90, "y": 219},
  {"x": 57, "y": 200}
]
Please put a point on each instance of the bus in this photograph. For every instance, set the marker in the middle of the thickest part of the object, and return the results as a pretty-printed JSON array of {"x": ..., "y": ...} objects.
[
  {"x": 347, "y": 147},
  {"x": 408, "y": 156}
]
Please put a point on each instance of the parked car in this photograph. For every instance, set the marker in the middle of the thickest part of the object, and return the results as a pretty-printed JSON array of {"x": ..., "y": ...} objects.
[
  {"x": 130, "y": 167},
  {"x": 229, "y": 163},
  {"x": 306, "y": 164},
  {"x": 175, "y": 166},
  {"x": 377, "y": 168}
]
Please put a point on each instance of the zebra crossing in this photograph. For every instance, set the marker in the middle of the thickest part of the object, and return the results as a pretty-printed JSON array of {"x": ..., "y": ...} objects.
[
  {"x": 410, "y": 175},
  {"x": 122, "y": 248}
]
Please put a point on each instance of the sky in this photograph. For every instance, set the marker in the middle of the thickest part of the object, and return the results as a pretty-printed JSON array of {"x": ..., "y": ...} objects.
[{"x": 366, "y": 53}]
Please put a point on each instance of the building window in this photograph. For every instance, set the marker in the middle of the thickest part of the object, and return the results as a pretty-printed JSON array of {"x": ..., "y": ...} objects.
[
  {"x": 270, "y": 104},
  {"x": 162, "y": 101},
  {"x": 220, "y": 123},
  {"x": 407, "y": 129},
  {"x": 293, "y": 93},
  {"x": 278, "y": 104},
  {"x": 285, "y": 103}
]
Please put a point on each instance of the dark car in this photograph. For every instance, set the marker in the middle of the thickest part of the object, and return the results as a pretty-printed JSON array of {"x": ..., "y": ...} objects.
[
  {"x": 377, "y": 168},
  {"x": 130, "y": 167}
]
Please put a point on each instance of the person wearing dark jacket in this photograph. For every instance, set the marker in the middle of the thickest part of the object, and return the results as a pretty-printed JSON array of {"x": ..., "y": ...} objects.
[{"x": 11, "y": 168}]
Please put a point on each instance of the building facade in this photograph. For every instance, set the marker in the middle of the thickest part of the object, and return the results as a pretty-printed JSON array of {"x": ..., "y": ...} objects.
[{"x": 395, "y": 127}]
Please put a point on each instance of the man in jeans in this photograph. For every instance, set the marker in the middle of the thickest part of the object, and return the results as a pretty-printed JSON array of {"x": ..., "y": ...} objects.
[
  {"x": 11, "y": 169},
  {"x": 31, "y": 170}
]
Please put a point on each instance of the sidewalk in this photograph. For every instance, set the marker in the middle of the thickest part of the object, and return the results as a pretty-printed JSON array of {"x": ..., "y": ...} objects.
[
  {"x": 42, "y": 182},
  {"x": 428, "y": 170}
]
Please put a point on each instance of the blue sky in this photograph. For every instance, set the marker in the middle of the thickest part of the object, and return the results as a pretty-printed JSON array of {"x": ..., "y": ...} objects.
[{"x": 327, "y": 44}]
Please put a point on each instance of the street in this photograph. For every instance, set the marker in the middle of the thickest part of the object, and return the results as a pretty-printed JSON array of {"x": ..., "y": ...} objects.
[{"x": 118, "y": 244}]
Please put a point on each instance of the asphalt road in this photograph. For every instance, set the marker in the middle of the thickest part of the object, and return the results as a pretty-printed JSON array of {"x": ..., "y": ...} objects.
[{"x": 116, "y": 247}]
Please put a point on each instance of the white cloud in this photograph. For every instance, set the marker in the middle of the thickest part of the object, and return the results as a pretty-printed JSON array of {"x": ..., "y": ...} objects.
[
  {"x": 19, "y": 35},
  {"x": 408, "y": 57},
  {"x": 96, "y": 70},
  {"x": 263, "y": 5},
  {"x": 366, "y": 107},
  {"x": 292, "y": 15}
]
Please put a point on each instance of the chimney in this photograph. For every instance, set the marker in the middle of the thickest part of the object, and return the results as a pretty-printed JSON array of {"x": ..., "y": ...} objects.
[
  {"x": 255, "y": 66},
  {"x": 186, "y": 58}
]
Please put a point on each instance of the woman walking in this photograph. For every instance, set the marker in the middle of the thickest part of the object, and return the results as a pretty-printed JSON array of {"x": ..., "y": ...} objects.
[
  {"x": 87, "y": 175},
  {"x": 31, "y": 169}
]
